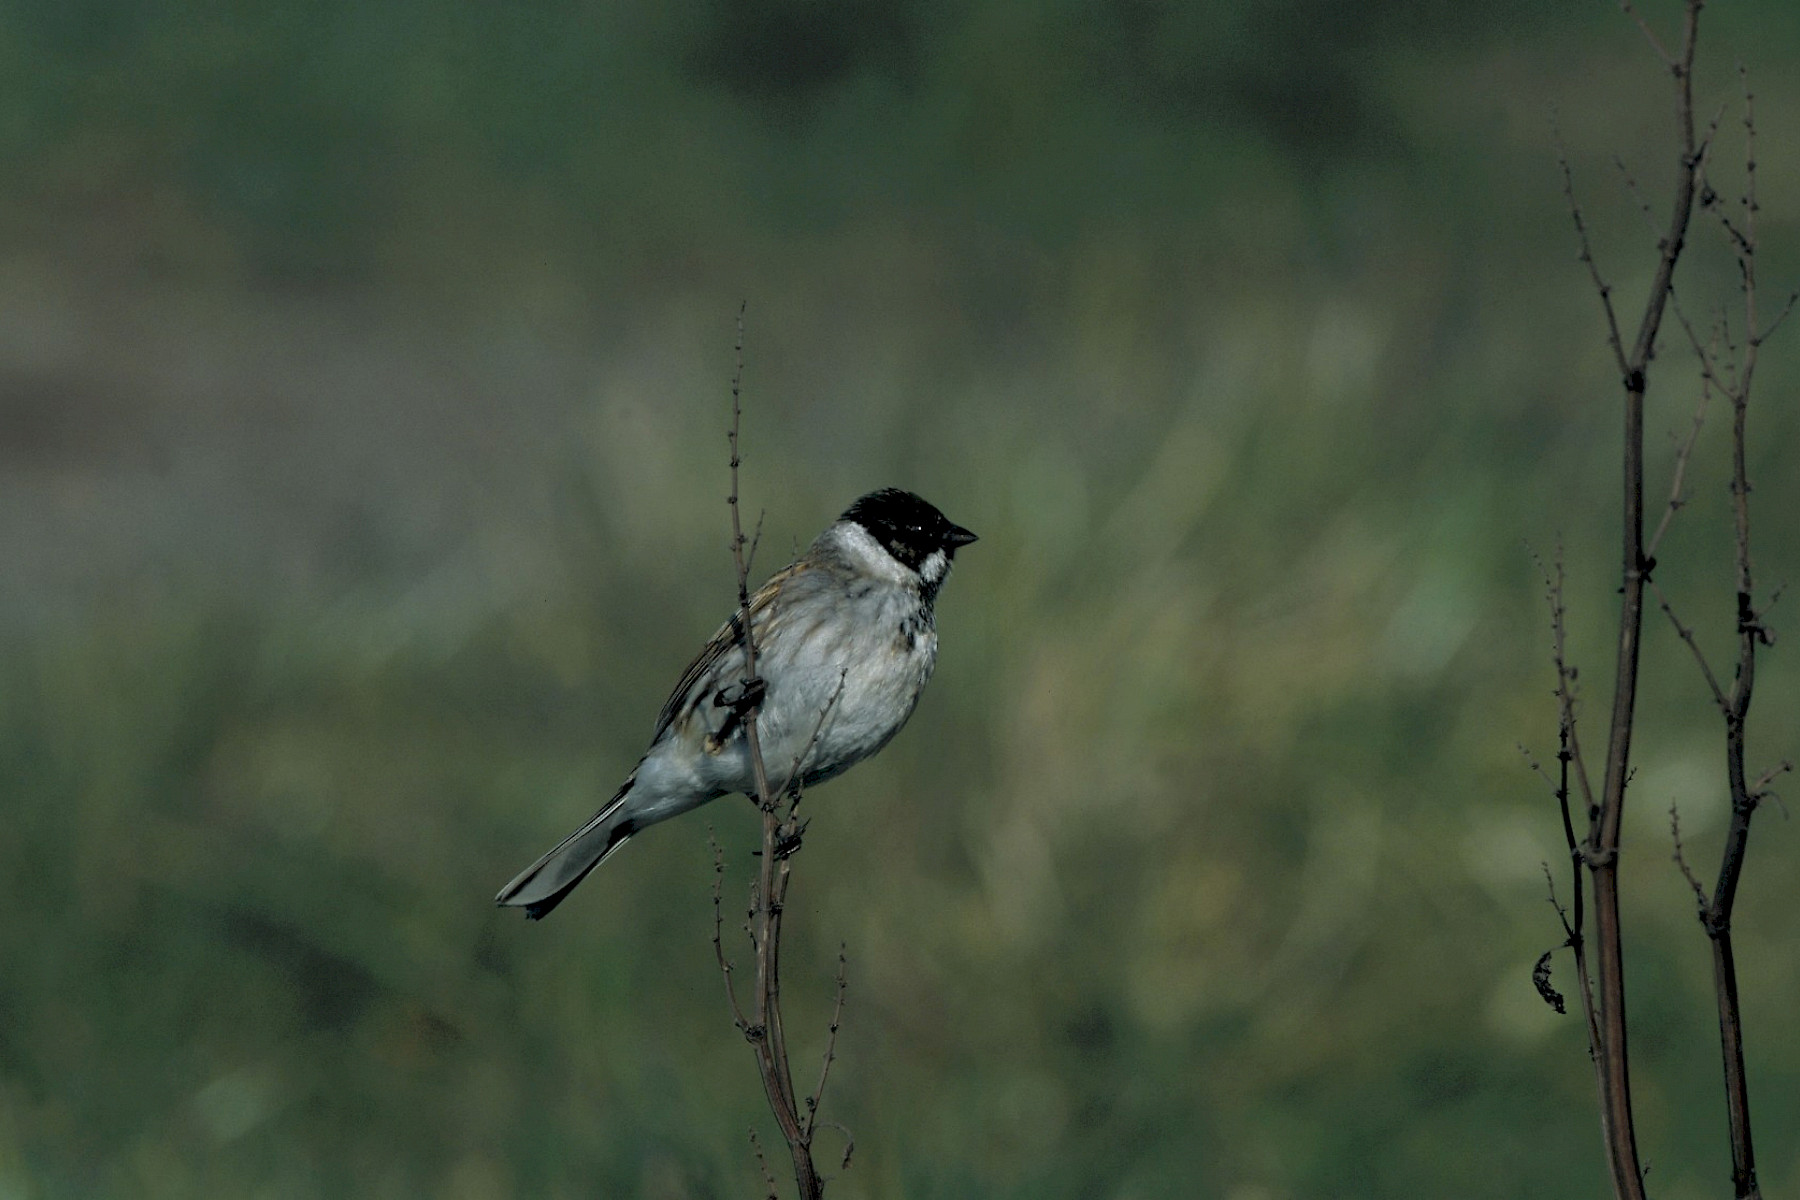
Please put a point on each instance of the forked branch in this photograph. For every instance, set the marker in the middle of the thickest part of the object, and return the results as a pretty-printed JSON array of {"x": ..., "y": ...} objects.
[
  {"x": 1598, "y": 849},
  {"x": 781, "y": 834},
  {"x": 1715, "y": 912}
]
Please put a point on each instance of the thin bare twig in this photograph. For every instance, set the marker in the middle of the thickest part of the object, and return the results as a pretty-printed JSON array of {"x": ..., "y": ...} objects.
[
  {"x": 1760, "y": 789},
  {"x": 1687, "y": 635},
  {"x": 1780, "y": 318},
  {"x": 837, "y": 1017},
  {"x": 1637, "y": 196},
  {"x": 725, "y": 964},
  {"x": 1561, "y": 912},
  {"x": 1568, "y": 743},
  {"x": 1711, "y": 371},
  {"x": 1601, "y": 287},
  {"x": 1681, "y": 859},
  {"x": 755, "y": 541},
  {"x": 787, "y": 787},
  {"x": 1683, "y": 452},
  {"x": 1662, "y": 52},
  {"x": 1568, "y": 760},
  {"x": 1575, "y": 926},
  {"x": 763, "y": 1164},
  {"x": 1534, "y": 766}
]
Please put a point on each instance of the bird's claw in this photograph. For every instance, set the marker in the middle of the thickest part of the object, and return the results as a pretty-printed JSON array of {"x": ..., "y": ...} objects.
[{"x": 741, "y": 698}]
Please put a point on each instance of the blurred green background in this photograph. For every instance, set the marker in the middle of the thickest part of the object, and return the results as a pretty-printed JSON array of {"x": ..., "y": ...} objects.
[{"x": 362, "y": 393}]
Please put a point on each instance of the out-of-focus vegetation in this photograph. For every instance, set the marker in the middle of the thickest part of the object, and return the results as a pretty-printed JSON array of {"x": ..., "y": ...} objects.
[{"x": 362, "y": 392}]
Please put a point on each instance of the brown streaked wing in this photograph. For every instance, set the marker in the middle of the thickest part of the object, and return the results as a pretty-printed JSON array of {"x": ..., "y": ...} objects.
[{"x": 715, "y": 649}]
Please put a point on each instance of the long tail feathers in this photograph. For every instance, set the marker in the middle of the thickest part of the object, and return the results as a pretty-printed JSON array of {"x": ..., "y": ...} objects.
[{"x": 541, "y": 886}]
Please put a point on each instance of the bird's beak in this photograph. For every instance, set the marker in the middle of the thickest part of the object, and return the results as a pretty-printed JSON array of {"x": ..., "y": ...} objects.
[{"x": 957, "y": 536}]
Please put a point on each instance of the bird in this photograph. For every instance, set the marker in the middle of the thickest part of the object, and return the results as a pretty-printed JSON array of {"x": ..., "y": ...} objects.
[{"x": 845, "y": 639}]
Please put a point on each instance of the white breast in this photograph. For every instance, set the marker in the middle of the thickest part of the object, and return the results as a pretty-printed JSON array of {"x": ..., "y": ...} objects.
[{"x": 879, "y": 649}]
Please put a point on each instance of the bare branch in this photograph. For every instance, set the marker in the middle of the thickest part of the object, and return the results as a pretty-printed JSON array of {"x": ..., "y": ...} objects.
[
  {"x": 1601, "y": 849},
  {"x": 812, "y": 742},
  {"x": 1780, "y": 318},
  {"x": 1731, "y": 370},
  {"x": 763, "y": 1027},
  {"x": 1568, "y": 757},
  {"x": 1752, "y": 338},
  {"x": 1737, "y": 237},
  {"x": 837, "y": 1017},
  {"x": 1712, "y": 371},
  {"x": 1760, "y": 788},
  {"x": 1681, "y": 860},
  {"x": 1601, "y": 288},
  {"x": 1631, "y": 185},
  {"x": 1534, "y": 766},
  {"x": 725, "y": 966},
  {"x": 1687, "y": 635},
  {"x": 1575, "y": 925},
  {"x": 1683, "y": 453},
  {"x": 763, "y": 1164},
  {"x": 1637, "y": 196},
  {"x": 755, "y": 541},
  {"x": 1716, "y": 913},
  {"x": 1569, "y": 745},
  {"x": 1561, "y": 912},
  {"x": 1662, "y": 52}
]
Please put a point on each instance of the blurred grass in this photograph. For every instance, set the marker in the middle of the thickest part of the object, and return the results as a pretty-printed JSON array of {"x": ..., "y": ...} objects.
[{"x": 361, "y": 399}]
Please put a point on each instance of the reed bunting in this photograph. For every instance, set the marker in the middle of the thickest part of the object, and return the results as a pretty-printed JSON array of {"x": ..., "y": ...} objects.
[{"x": 845, "y": 640}]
